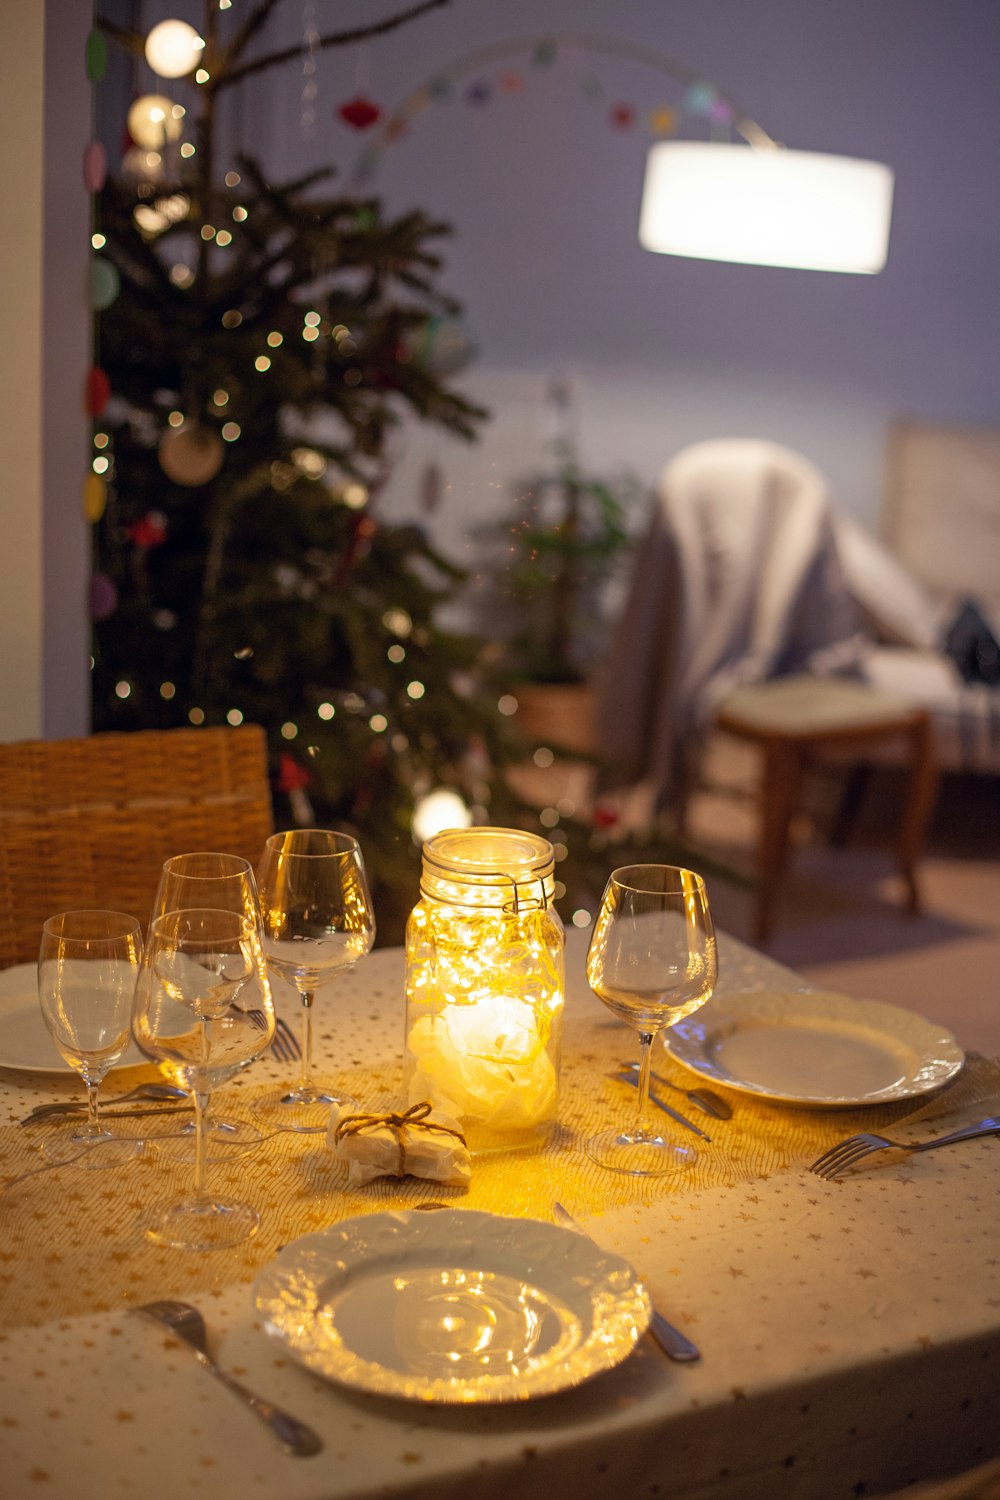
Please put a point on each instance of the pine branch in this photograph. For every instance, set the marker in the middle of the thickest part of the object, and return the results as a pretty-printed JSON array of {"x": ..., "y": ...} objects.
[{"x": 332, "y": 39}]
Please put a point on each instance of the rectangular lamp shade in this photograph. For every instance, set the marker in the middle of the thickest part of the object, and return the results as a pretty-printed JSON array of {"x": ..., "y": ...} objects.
[{"x": 768, "y": 207}]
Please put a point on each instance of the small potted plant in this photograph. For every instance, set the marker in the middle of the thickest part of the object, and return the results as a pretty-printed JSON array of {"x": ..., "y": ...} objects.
[{"x": 557, "y": 551}]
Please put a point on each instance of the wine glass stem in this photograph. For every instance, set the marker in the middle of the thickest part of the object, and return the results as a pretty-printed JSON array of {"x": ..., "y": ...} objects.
[
  {"x": 305, "y": 1073},
  {"x": 645, "y": 1054},
  {"x": 93, "y": 1126},
  {"x": 200, "y": 1139}
]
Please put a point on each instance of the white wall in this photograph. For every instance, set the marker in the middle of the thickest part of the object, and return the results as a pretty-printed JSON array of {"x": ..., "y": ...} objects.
[{"x": 45, "y": 106}]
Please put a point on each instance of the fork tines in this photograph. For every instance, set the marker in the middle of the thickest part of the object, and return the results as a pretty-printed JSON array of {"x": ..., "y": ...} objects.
[
  {"x": 845, "y": 1153},
  {"x": 284, "y": 1044}
]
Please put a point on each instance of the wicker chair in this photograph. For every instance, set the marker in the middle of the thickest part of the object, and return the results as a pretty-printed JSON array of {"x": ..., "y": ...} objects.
[{"x": 88, "y": 822}]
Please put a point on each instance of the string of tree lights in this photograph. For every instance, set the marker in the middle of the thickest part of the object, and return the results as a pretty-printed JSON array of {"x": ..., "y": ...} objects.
[{"x": 256, "y": 344}]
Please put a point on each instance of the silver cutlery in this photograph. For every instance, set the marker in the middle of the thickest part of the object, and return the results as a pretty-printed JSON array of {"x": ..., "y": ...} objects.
[
  {"x": 668, "y": 1109},
  {"x": 76, "y": 1106},
  {"x": 285, "y": 1044},
  {"x": 674, "y": 1344},
  {"x": 188, "y": 1324},
  {"x": 855, "y": 1148},
  {"x": 705, "y": 1099}
]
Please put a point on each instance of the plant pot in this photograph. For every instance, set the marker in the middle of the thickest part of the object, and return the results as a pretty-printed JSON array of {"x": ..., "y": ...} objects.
[{"x": 559, "y": 714}]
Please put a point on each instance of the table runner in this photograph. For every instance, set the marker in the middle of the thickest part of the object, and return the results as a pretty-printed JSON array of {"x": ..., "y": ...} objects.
[{"x": 69, "y": 1242}]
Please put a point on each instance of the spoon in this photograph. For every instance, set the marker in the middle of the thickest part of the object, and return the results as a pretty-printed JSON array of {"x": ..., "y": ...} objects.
[
  {"x": 74, "y": 1106},
  {"x": 705, "y": 1099}
]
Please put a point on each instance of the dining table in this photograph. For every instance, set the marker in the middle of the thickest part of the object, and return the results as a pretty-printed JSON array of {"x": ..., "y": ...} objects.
[{"x": 849, "y": 1330}]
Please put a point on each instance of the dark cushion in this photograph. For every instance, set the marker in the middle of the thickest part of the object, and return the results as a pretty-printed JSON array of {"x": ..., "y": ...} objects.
[{"x": 973, "y": 647}]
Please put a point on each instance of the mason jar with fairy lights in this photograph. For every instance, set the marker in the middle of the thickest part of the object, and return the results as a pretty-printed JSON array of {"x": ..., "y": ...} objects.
[{"x": 485, "y": 986}]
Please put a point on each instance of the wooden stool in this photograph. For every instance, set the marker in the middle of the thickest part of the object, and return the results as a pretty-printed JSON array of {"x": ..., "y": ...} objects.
[{"x": 794, "y": 720}]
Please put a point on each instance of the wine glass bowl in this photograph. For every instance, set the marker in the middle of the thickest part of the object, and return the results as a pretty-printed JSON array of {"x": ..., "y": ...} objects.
[
  {"x": 652, "y": 960},
  {"x": 318, "y": 920},
  {"x": 88, "y": 962},
  {"x": 209, "y": 880},
  {"x": 203, "y": 1012}
]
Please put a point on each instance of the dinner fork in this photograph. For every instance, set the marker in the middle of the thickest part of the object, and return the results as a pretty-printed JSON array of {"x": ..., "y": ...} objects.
[
  {"x": 285, "y": 1045},
  {"x": 855, "y": 1148}
]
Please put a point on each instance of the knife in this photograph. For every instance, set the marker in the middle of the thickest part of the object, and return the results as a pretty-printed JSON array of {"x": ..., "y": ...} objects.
[
  {"x": 668, "y": 1109},
  {"x": 107, "y": 1114},
  {"x": 670, "y": 1339}
]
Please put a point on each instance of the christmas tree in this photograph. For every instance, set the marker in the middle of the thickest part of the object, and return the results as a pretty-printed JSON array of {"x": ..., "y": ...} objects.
[{"x": 257, "y": 345}]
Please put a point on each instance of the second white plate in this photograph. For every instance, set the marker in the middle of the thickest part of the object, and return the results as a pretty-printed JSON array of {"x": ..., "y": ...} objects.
[
  {"x": 814, "y": 1047},
  {"x": 25, "y": 1042},
  {"x": 456, "y": 1306}
]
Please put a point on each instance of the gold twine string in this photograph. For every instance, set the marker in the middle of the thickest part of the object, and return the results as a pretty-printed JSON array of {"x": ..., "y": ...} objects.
[{"x": 415, "y": 1117}]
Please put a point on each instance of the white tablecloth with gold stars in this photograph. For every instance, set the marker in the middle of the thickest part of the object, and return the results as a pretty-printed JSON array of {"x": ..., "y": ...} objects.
[{"x": 850, "y": 1331}]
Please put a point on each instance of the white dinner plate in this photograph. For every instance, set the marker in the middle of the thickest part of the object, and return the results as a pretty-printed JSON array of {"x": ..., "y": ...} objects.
[
  {"x": 456, "y": 1306},
  {"x": 815, "y": 1047},
  {"x": 24, "y": 1039}
]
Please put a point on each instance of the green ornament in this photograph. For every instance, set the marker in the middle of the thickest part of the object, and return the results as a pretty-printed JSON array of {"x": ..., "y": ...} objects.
[{"x": 96, "y": 56}]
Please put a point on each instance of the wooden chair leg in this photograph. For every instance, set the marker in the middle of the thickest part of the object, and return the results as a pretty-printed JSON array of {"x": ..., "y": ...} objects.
[
  {"x": 781, "y": 783},
  {"x": 921, "y": 795}
]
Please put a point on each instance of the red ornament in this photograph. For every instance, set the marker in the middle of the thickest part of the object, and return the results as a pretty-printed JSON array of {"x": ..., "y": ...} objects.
[
  {"x": 605, "y": 816},
  {"x": 97, "y": 392},
  {"x": 360, "y": 113},
  {"x": 622, "y": 117},
  {"x": 291, "y": 776},
  {"x": 151, "y": 531}
]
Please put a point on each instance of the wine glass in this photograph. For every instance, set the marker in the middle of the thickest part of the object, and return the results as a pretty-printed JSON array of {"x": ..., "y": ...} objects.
[
  {"x": 202, "y": 1012},
  {"x": 221, "y": 882},
  {"x": 87, "y": 967},
  {"x": 318, "y": 920},
  {"x": 652, "y": 960}
]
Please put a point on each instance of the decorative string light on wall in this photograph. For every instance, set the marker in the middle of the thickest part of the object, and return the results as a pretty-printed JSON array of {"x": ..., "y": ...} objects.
[{"x": 750, "y": 200}]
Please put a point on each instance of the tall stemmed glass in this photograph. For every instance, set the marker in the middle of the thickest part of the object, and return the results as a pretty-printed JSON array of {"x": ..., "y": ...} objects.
[
  {"x": 87, "y": 967},
  {"x": 318, "y": 920},
  {"x": 220, "y": 882},
  {"x": 652, "y": 960},
  {"x": 203, "y": 1012}
]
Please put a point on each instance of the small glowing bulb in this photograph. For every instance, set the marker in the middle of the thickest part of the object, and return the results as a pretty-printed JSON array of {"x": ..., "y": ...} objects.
[
  {"x": 196, "y": 715},
  {"x": 234, "y": 717},
  {"x": 172, "y": 49},
  {"x": 187, "y": 150},
  {"x": 326, "y": 711},
  {"x": 262, "y": 363},
  {"x": 101, "y": 465},
  {"x": 167, "y": 690},
  {"x": 233, "y": 179},
  {"x": 221, "y": 398},
  {"x": 289, "y": 731},
  {"x": 176, "y": 419},
  {"x": 98, "y": 241},
  {"x": 309, "y": 334},
  {"x": 274, "y": 338},
  {"x": 202, "y": 76},
  {"x": 223, "y": 237},
  {"x": 231, "y": 431},
  {"x": 240, "y": 215}
]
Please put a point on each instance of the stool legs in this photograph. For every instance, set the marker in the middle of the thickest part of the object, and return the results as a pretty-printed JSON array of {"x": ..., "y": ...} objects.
[
  {"x": 922, "y": 788},
  {"x": 782, "y": 781}
]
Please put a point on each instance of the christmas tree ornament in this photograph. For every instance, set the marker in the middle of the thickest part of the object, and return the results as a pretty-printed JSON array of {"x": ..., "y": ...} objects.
[
  {"x": 95, "y": 56},
  {"x": 103, "y": 597},
  {"x": 97, "y": 391},
  {"x": 293, "y": 780},
  {"x": 95, "y": 166},
  {"x": 622, "y": 116},
  {"x": 150, "y": 531},
  {"x": 443, "y": 345},
  {"x": 105, "y": 283},
  {"x": 173, "y": 49},
  {"x": 154, "y": 121},
  {"x": 191, "y": 454},
  {"x": 361, "y": 113},
  {"x": 478, "y": 93},
  {"x": 95, "y": 497}
]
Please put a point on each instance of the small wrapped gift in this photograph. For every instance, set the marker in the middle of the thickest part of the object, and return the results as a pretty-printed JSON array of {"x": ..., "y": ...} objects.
[{"x": 422, "y": 1142}]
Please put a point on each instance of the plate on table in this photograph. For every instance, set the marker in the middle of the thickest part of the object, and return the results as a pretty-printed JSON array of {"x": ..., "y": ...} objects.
[
  {"x": 457, "y": 1306},
  {"x": 814, "y": 1047},
  {"x": 25, "y": 1043}
]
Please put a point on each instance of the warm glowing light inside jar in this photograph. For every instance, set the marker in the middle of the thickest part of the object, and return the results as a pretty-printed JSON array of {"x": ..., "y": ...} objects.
[{"x": 484, "y": 1003}]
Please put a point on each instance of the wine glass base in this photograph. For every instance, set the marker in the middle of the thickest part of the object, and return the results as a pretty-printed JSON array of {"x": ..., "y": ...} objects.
[
  {"x": 225, "y": 1140},
  {"x": 639, "y": 1153},
  {"x": 82, "y": 1149},
  {"x": 200, "y": 1223},
  {"x": 303, "y": 1109}
]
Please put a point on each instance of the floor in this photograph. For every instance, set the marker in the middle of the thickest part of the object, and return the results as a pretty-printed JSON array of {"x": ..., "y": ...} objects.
[{"x": 839, "y": 921}]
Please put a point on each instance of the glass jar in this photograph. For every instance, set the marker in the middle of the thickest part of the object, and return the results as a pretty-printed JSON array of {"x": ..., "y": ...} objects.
[{"x": 485, "y": 986}]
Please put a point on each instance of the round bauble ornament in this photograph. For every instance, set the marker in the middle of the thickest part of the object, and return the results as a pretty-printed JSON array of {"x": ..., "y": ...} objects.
[
  {"x": 105, "y": 283},
  {"x": 191, "y": 455},
  {"x": 443, "y": 345},
  {"x": 95, "y": 166},
  {"x": 154, "y": 121},
  {"x": 173, "y": 49},
  {"x": 95, "y": 498},
  {"x": 360, "y": 113},
  {"x": 103, "y": 597},
  {"x": 97, "y": 392}
]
